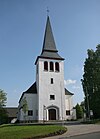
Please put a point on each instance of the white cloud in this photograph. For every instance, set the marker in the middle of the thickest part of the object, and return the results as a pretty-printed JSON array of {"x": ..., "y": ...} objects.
[
  {"x": 69, "y": 81},
  {"x": 82, "y": 69},
  {"x": 76, "y": 87}
]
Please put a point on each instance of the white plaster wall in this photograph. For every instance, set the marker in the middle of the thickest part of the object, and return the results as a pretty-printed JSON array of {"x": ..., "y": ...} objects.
[
  {"x": 69, "y": 106},
  {"x": 37, "y": 85},
  {"x": 69, "y": 102},
  {"x": 45, "y": 88},
  {"x": 32, "y": 105}
]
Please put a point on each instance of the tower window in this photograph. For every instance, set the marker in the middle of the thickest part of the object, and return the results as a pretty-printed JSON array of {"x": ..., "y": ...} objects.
[
  {"x": 51, "y": 80},
  {"x": 57, "y": 66},
  {"x": 46, "y": 65},
  {"x": 51, "y": 66},
  {"x": 30, "y": 113},
  {"x": 67, "y": 112},
  {"x": 52, "y": 97}
]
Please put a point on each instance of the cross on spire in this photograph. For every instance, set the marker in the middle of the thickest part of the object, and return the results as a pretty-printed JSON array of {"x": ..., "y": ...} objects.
[
  {"x": 48, "y": 11},
  {"x": 49, "y": 50}
]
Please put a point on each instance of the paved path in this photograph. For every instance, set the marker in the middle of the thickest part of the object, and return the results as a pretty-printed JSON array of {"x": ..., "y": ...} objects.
[
  {"x": 86, "y": 136},
  {"x": 80, "y": 129}
]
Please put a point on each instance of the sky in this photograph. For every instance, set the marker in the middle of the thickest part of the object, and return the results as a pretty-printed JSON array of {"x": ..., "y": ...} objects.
[{"x": 76, "y": 28}]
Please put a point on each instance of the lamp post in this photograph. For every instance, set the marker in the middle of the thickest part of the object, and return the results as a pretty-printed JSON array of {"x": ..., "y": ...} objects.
[{"x": 44, "y": 108}]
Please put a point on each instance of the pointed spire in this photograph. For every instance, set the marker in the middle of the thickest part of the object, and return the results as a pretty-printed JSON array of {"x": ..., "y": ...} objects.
[
  {"x": 49, "y": 50},
  {"x": 49, "y": 43}
]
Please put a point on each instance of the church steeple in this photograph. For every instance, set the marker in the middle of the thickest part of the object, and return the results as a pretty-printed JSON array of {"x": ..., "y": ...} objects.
[
  {"x": 49, "y": 43},
  {"x": 49, "y": 50}
]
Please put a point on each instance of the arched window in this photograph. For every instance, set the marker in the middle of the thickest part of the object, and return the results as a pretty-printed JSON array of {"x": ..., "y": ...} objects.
[
  {"x": 46, "y": 65},
  {"x": 51, "y": 66},
  {"x": 57, "y": 66}
]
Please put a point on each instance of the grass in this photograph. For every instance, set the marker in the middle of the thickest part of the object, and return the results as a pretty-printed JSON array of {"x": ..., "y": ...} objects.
[
  {"x": 97, "y": 121},
  {"x": 30, "y": 131}
]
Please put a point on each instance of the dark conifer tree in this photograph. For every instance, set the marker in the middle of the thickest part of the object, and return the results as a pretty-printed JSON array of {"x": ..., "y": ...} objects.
[{"x": 91, "y": 82}]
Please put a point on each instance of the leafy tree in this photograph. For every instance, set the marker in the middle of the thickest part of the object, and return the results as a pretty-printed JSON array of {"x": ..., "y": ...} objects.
[
  {"x": 3, "y": 98},
  {"x": 79, "y": 111},
  {"x": 91, "y": 82},
  {"x": 3, "y": 113},
  {"x": 3, "y": 116},
  {"x": 83, "y": 106},
  {"x": 24, "y": 106}
]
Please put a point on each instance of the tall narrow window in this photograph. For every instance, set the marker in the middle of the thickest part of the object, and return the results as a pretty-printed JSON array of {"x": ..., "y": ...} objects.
[
  {"x": 51, "y": 66},
  {"x": 57, "y": 66},
  {"x": 67, "y": 112},
  {"x": 45, "y": 65},
  {"x": 51, "y": 80}
]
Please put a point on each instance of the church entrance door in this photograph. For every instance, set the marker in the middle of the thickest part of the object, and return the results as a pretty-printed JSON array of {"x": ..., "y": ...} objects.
[{"x": 52, "y": 114}]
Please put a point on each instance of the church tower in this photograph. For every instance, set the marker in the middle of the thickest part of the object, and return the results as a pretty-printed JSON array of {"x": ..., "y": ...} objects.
[
  {"x": 47, "y": 99},
  {"x": 50, "y": 80}
]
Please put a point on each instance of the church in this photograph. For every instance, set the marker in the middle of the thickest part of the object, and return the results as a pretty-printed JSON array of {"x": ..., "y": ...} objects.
[{"x": 47, "y": 99}]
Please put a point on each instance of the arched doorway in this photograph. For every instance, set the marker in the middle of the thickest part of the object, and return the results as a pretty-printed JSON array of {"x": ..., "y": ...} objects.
[{"x": 52, "y": 114}]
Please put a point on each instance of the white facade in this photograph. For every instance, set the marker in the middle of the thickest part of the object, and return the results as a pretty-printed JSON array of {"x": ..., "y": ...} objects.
[
  {"x": 45, "y": 89},
  {"x": 31, "y": 100},
  {"x": 69, "y": 107},
  {"x": 47, "y": 99},
  {"x": 40, "y": 103}
]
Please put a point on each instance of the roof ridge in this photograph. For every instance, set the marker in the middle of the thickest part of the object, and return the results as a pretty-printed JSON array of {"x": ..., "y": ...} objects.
[{"x": 68, "y": 92}]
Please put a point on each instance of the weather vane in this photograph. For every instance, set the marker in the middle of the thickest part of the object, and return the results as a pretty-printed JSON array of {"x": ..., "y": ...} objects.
[{"x": 48, "y": 11}]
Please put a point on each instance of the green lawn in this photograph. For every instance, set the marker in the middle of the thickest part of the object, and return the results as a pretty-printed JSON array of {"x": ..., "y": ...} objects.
[{"x": 23, "y": 132}]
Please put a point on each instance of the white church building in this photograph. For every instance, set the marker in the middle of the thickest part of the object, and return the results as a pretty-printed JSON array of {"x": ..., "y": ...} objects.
[{"x": 47, "y": 99}]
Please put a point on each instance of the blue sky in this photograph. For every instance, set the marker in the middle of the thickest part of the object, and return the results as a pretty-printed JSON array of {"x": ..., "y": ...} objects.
[{"x": 76, "y": 28}]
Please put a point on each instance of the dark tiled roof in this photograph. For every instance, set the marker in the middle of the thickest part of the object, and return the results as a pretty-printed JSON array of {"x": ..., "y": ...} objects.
[
  {"x": 67, "y": 92},
  {"x": 51, "y": 55},
  {"x": 12, "y": 111},
  {"x": 49, "y": 43},
  {"x": 31, "y": 90},
  {"x": 49, "y": 49}
]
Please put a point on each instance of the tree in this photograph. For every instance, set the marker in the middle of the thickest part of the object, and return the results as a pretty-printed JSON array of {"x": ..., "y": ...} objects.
[
  {"x": 24, "y": 106},
  {"x": 3, "y": 113},
  {"x": 3, "y": 98},
  {"x": 3, "y": 116},
  {"x": 79, "y": 111},
  {"x": 91, "y": 82}
]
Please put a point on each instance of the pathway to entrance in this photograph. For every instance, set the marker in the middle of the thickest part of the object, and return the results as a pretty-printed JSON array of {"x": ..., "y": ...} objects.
[{"x": 74, "y": 130}]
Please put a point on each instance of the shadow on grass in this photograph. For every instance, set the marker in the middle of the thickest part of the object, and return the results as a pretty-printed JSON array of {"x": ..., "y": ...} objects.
[{"x": 59, "y": 132}]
